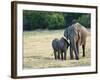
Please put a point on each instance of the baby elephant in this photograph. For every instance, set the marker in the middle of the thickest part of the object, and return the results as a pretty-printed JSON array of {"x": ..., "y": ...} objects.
[{"x": 60, "y": 47}]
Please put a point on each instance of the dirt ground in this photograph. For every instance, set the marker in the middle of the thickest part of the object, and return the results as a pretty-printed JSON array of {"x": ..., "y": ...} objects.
[{"x": 38, "y": 52}]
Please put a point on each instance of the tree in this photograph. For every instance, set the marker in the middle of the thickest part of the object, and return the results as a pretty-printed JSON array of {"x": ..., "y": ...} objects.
[
  {"x": 85, "y": 20},
  {"x": 26, "y": 20},
  {"x": 52, "y": 20},
  {"x": 69, "y": 17},
  {"x": 38, "y": 20},
  {"x": 55, "y": 21}
]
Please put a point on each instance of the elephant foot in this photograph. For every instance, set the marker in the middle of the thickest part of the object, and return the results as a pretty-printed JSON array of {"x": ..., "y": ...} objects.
[
  {"x": 77, "y": 58},
  {"x": 65, "y": 59},
  {"x": 83, "y": 55},
  {"x": 55, "y": 59},
  {"x": 61, "y": 58},
  {"x": 71, "y": 58},
  {"x": 58, "y": 57}
]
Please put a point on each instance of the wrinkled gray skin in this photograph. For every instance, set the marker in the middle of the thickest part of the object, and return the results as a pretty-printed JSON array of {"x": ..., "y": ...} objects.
[
  {"x": 77, "y": 35},
  {"x": 60, "y": 47}
]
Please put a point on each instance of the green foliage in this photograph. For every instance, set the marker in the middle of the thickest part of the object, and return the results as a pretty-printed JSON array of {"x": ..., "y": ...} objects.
[
  {"x": 85, "y": 20},
  {"x": 36, "y": 19},
  {"x": 69, "y": 17},
  {"x": 52, "y": 20},
  {"x": 55, "y": 21},
  {"x": 26, "y": 20}
]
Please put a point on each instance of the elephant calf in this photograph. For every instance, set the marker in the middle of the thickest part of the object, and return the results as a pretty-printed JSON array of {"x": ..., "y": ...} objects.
[{"x": 60, "y": 47}]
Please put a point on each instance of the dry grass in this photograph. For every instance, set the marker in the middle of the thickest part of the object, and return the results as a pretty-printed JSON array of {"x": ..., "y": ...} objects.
[{"x": 38, "y": 51}]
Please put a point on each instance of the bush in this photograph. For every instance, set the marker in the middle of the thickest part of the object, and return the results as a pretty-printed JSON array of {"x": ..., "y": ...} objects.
[
  {"x": 85, "y": 20},
  {"x": 55, "y": 21}
]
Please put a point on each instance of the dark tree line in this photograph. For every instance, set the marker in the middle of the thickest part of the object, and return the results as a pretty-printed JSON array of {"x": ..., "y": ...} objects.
[{"x": 53, "y": 20}]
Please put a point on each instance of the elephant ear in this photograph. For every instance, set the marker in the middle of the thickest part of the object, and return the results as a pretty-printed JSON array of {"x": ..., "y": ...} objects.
[
  {"x": 67, "y": 33},
  {"x": 68, "y": 43},
  {"x": 66, "y": 39}
]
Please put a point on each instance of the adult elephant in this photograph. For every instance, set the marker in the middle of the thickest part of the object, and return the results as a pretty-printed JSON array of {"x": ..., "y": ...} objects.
[{"x": 76, "y": 34}]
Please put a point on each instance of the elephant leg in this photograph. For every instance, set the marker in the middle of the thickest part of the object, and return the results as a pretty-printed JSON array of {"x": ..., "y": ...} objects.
[
  {"x": 55, "y": 55},
  {"x": 59, "y": 54},
  {"x": 83, "y": 47},
  {"x": 77, "y": 46},
  {"x": 71, "y": 53},
  {"x": 76, "y": 54},
  {"x": 75, "y": 49},
  {"x": 64, "y": 55}
]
